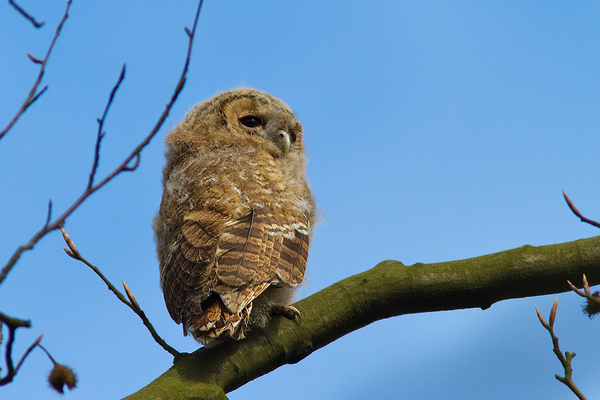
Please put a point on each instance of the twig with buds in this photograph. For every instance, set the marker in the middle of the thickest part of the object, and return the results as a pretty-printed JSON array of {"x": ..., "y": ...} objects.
[
  {"x": 130, "y": 163},
  {"x": 565, "y": 359},
  {"x": 101, "y": 132},
  {"x": 592, "y": 306},
  {"x": 131, "y": 303},
  {"x": 33, "y": 93}
]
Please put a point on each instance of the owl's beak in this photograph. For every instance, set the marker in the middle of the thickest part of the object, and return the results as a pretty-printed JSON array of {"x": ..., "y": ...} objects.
[{"x": 283, "y": 141}]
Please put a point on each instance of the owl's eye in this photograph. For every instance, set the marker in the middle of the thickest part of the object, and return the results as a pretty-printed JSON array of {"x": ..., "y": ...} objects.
[
  {"x": 251, "y": 121},
  {"x": 292, "y": 137}
]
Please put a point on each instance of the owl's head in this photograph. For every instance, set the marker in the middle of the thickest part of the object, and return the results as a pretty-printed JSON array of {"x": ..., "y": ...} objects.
[{"x": 240, "y": 118}]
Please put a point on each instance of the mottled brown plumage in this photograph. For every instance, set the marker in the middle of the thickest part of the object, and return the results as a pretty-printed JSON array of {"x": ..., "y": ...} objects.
[{"x": 233, "y": 226}]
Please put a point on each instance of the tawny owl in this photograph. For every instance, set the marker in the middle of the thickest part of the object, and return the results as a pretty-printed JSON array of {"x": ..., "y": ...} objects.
[{"x": 234, "y": 221}]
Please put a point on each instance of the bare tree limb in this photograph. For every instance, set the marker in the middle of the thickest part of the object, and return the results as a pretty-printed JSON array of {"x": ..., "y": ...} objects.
[
  {"x": 565, "y": 359},
  {"x": 49, "y": 214},
  {"x": 26, "y": 14},
  {"x": 58, "y": 379},
  {"x": 101, "y": 133},
  {"x": 123, "y": 167},
  {"x": 13, "y": 324},
  {"x": 389, "y": 289},
  {"x": 33, "y": 96},
  {"x": 132, "y": 303},
  {"x": 29, "y": 349},
  {"x": 576, "y": 212}
]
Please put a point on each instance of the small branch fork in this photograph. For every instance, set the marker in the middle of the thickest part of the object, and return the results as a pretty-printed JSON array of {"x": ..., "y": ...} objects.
[
  {"x": 131, "y": 303},
  {"x": 591, "y": 308},
  {"x": 126, "y": 166},
  {"x": 59, "y": 376},
  {"x": 33, "y": 93},
  {"x": 13, "y": 324},
  {"x": 565, "y": 359},
  {"x": 101, "y": 133}
]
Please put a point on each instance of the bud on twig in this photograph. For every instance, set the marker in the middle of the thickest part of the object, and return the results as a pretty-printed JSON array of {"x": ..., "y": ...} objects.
[
  {"x": 130, "y": 296},
  {"x": 74, "y": 253},
  {"x": 35, "y": 60},
  {"x": 571, "y": 205},
  {"x": 38, "y": 340},
  {"x": 70, "y": 253},
  {"x": 586, "y": 286},
  {"x": 542, "y": 320},
  {"x": 553, "y": 312},
  {"x": 574, "y": 288}
]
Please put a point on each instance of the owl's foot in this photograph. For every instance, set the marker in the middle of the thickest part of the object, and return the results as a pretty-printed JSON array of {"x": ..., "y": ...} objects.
[{"x": 285, "y": 311}]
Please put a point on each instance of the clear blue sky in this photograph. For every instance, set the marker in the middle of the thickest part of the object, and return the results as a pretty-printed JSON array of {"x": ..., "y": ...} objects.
[{"x": 435, "y": 131}]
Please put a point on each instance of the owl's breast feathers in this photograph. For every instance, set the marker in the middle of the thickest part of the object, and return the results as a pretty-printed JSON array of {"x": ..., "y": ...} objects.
[{"x": 226, "y": 255}]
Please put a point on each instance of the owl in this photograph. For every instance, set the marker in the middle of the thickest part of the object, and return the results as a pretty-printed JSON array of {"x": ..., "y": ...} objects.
[{"x": 234, "y": 222}]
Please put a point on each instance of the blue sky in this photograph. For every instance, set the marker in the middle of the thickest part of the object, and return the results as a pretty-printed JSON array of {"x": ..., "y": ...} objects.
[{"x": 435, "y": 131}]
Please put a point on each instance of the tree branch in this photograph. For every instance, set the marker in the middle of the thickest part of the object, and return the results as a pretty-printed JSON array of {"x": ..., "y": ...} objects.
[
  {"x": 13, "y": 324},
  {"x": 26, "y": 15},
  {"x": 387, "y": 290},
  {"x": 123, "y": 167},
  {"x": 101, "y": 132},
  {"x": 577, "y": 213},
  {"x": 131, "y": 303},
  {"x": 565, "y": 359},
  {"x": 33, "y": 96}
]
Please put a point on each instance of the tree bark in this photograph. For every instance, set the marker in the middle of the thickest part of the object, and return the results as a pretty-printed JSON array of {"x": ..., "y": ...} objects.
[{"x": 387, "y": 290}]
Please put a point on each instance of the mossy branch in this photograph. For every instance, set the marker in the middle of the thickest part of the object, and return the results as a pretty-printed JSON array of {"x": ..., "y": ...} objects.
[{"x": 387, "y": 290}]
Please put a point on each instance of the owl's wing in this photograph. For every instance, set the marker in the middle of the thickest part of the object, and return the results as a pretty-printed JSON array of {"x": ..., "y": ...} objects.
[
  {"x": 188, "y": 271},
  {"x": 234, "y": 259},
  {"x": 256, "y": 249}
]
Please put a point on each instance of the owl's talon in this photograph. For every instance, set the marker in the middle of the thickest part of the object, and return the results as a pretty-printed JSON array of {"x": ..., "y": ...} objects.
[{"x": 285, "y": 311}]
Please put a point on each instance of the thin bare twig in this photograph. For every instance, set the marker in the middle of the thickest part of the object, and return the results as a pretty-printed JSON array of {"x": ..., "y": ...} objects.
[
  {"x": 101, "y": 133},
  {"x": 13, "y": 324},
  {"x": 49, "y": 214},
  {"x": 123, "y": 167},
  {"x": 33, "y": 96},
  {"x": 576, "y": 212},
  {"x": 26, "y": 14},
  {"x": 36, "y": 343},
  {"x": 131, "y": 303},
  {"x": 565, "y": 359},
  {"x": 47, "y": 353}
]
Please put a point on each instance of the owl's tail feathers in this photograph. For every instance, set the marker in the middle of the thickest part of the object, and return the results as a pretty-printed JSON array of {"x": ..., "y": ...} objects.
[{"x": 217, "y": 322}]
